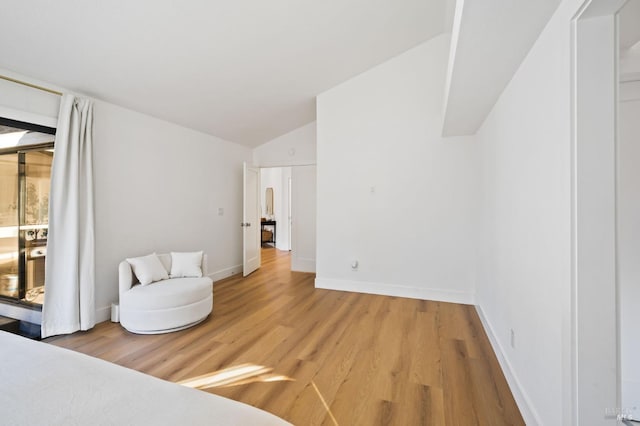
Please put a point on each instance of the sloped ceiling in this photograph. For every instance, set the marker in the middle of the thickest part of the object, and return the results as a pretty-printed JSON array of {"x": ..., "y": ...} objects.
[
  {"x": 490, "y": 39},
  {"x": 243, "y": 70}
]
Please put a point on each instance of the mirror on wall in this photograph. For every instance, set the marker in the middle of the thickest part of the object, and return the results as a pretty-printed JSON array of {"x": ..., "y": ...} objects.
[{"x": 268, "y": 201}]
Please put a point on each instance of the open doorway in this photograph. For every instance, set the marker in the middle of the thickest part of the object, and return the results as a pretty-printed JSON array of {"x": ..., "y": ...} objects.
[
  {"x": 600, "y": 227},
  {"x": 288, "y": 213},
  {"x": 275, "y": 206}
]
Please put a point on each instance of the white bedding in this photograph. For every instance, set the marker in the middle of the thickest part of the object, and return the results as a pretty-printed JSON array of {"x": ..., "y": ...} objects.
[{"x": 43, "y": 384}]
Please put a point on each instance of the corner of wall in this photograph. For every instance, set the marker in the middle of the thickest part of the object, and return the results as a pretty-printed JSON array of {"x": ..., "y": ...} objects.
[
  {"x": 299, "y": 264},
  {"x": 103, "y": 314},
  {"x": 225, "y": 273}
]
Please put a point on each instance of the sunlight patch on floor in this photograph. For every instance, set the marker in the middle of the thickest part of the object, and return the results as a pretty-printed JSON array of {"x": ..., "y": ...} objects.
[
  {"x": 234, "y": 376},
  {"x": 326, "y": 406}
]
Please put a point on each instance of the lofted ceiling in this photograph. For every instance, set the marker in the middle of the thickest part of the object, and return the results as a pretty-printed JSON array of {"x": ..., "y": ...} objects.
[
  {"x": 490, "y": 40},
  {"x": 243, "y": 70}
]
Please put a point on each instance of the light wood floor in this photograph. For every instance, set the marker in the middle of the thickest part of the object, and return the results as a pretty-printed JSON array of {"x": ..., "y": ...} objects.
[{"x": 372, "y": 359}]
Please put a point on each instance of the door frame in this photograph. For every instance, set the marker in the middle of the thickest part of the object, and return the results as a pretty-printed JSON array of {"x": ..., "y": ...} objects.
[
  {"x": 291, "y": 197},
  {"x": 594, "y": 321}
]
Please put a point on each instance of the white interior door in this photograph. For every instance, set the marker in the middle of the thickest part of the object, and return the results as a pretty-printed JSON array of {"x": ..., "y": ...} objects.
[{"x": 250, "y": 220}]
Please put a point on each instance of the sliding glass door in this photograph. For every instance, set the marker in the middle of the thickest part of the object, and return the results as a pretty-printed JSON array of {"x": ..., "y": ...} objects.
[
  {"x": 34, "y": 226},
  {"x": 25, "y": 179}
]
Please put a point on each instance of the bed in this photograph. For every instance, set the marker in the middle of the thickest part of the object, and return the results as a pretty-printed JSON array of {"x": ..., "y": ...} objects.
[{"x": 45, "y": 384}]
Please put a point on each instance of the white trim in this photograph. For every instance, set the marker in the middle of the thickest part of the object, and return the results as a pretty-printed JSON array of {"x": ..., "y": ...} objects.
[
  {"x": 301, "y": 264},
  {"x": 386, "y": 289},
  {"x": 529, "y": 414},
  {"x": 28, "y": 117},
  {"x": 594, "y": 339},
  {"x": 225, "y": 273},
  {"x": 103, "y": 314},
  {"x": 284, "y": 163},
  {"x": 21, "y": 313}
]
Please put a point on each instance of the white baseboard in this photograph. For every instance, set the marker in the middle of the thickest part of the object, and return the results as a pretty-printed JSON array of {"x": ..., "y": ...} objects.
[
  {"x": 226, "y": 273},
  {"x": 523, "y": 401},
  {"x": 300, "y": 264},
  {"x": 29, "y": 117},
  {"x": 103, "y": 314},
  {"x": 396, "y": 290}
]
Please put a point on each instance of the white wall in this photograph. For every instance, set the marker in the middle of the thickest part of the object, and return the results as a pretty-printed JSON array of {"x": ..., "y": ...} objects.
[
  {"x": 392, "y": 193},
  {"x": 296, "y": 148},
  {"x": 284, "y": 239},
  {"x": 303, "y": 218},
  {"x": 629, "y": 243},
  {"x": 524, "y": 265},
  {"x": 158, "y": 187}
]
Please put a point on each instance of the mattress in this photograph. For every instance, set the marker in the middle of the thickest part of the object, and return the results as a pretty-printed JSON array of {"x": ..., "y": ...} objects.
[{"x": 45, "y": 384}]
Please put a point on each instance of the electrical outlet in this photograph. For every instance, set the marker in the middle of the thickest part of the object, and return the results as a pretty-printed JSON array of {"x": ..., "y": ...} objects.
[
  {"x": 220, "y": 211},
  {"x": 513, "y": 338}
]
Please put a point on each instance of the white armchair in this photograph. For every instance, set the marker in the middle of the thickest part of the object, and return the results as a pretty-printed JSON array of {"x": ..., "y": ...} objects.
[{"x": 167, "y": 305}]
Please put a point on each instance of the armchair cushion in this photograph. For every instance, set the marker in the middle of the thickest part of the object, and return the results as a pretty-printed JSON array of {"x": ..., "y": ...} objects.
[
  {"x": 185, "y": 265},
  {"x": 148, "y": 269}
]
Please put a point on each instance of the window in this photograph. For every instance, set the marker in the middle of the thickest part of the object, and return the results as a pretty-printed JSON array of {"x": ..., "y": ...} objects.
[{"x": 26, "y": 155}]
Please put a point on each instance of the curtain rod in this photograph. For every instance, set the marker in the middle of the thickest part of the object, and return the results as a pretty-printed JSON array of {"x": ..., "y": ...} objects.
[{"x": 33, "y": 86}]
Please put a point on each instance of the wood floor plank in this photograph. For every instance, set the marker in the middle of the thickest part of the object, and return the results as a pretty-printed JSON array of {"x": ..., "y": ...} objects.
[
  {"x": 459, "y": 400},
  {"x": 425, "y": 364},
  {"x": 349, "y": 358}
]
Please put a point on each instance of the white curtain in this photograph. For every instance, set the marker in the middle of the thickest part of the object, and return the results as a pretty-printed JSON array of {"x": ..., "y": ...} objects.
[{"x": 69, "y": 303}]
